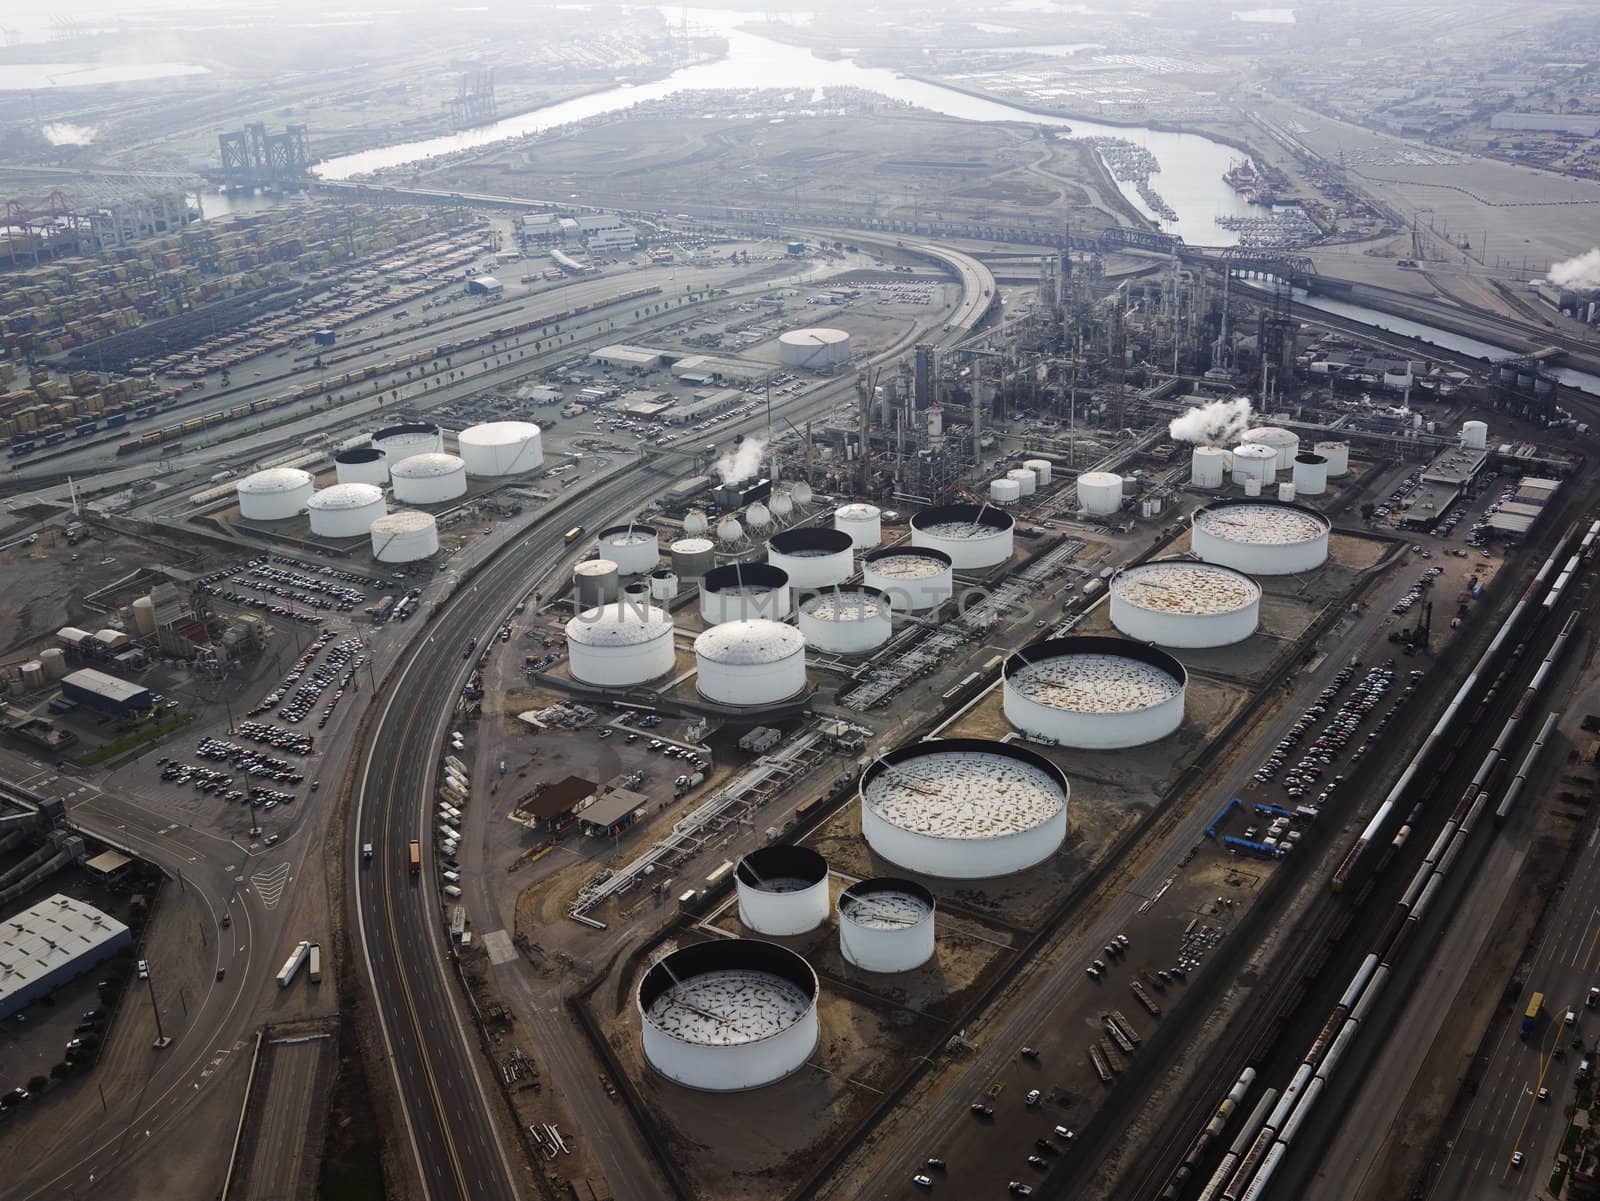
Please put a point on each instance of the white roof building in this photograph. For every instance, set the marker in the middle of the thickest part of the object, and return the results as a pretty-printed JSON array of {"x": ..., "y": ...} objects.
[{"x": 44, "y": 946}]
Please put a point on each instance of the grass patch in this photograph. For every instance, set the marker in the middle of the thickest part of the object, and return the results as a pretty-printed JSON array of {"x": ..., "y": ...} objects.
[{"x": 147, "y": 731}]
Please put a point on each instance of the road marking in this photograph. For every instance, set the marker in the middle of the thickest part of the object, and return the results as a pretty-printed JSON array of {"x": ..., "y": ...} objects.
[
  {"x": 270, "y": 884},
  {"x": 1545, "y": 1060}
]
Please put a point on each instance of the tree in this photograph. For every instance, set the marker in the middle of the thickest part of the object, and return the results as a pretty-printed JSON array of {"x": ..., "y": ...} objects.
[
  {"x": 1368, "y": 510},
  {"x": 37, "y": 1084}
]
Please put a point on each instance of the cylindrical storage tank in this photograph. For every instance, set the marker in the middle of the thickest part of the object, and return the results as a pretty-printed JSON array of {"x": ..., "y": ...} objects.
[
  {"x": 1025, "y": 480},
  {"x": 636, "y": 592},
  {"x": 963, "y": 808},
  {"x": 1474, "y": 435},
  {"x": 1252, "y": 486},
  {"x": 1253, "y": 461},
  {"x": 144, "y": 615},
  {"x": 1338, "y": 456},
  {"x": 408, "y": 438},
  {"x": 1260, "y": 537},
  {"x": 404, "y": 536},
  {"x": 1207, "y": 466},
  {"x": 728, "y": 1014},
  {"x": 818, "y": 348},
  {"x": 274, "y": 494},
  {"x": 32, "y": 674},
  {"x": 886, "y": 925},
  {"x": 346, "y": 510},
  {"x": 783, "y": 890},
  {"x": 846, "y": 621},
  {"x": 663, "y": 585},
  {"x": 1093, "y": 692},
  {"x": 1005, "y": 491},
  {"x": 974, "y": 536},
  {"x": 1100, "y": 493},
  {"x": 1285, "y": 443},
  {"x": 692, "y": 557},
  {"x": 1043, "y": 470},
  {"x": 620, "y": 644},
  {"x": 595, "y": 582},
  {"x": 54, "y": 662},
  {"x": 863, "y": 522},
  {"x": 361, "y": 465},
  {"x": 501, "y": 448},
  {"x": 756, "y": 662},
  {"x": 1286, "y": 492},
  {"x": 813, "y": 556},
  {"x": 1177, "y": 602},
  {"x": 915, "y": 580},
  {"x": 635, "y": 548},
  {"x": 744, "y": 592},
  {"x": 430, "y": 478},
  {"x": 1310, "y": 475}
]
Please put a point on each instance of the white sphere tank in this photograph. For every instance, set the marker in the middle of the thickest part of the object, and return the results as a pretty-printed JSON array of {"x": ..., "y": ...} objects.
[
  {"x": 1338, "y": 456},
  {"x": 863, "y": 522},
  {"x": 408, "y": 438},
  {"x": 974, "y": 536},
  {"x": 1093, "y": 693},
  {"x": 1310, "y": 475},
  {"x": 695, "y": 524},
  {"x": 430, "y": 478},
  {"x": 782, "y": 505},
  {"x": 1208, "y": 465},
  {"x": 1043, "y": 470},
  {"x": 846, "y": 621},
  {"x": 663, "y": 584},
  {"x": 964, "y": 808},
  {"x": 1178, "y": 602},
  {"x": 1100, "y": 493},
  {"x": 914, "y": 580},
  {"x": 886, "y": 925},
  {"x": 404, "y": 536},
  {"x": 1025, "y": 480},
  {"x": 782, "y": 890},
  {"x": 692, "y": 557},
  {"x": 755, "y": 662},
  {"x": 758, "y": 516},
  {"x": 274, "y": 494},
  {"x": 361, "y": 465},
  {"x": 635, "y": 548},
  {"x": 1285, "y": 443},
  {"x": 1005, "y": 491},
  {"x": 729, "y": 1014},
  {"x": 818, "y": 348},
  {"x": 1474, "y": 435},
  {"x": 501, "y": 448},
  {"x": 595, "y": 582},
  {"x": 802, "y": 493},
  {"x": 729, "y": 530},
  {"x": 1253, "y": 461},
  {"x": 813, "y": 556},
  {"x": 744, "y": 592},
  {"x": 1286, "y": 492},
  {"x": 620, "y": 644},
  {"x": 346, "y": 510},
  {"x": 1260, "y": 537}
]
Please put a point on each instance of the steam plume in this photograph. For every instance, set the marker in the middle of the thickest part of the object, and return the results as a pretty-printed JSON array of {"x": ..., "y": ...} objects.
[
  {"x": 739, "y": 464},
  {"x": 1215, "y": 424},
  {"x": 63, "y": 133},
  {"x": 1581, "y": 272}
]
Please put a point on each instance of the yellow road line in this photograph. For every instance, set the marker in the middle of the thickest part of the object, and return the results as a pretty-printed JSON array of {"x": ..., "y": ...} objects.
[{"x": 1545, "y": 1060}]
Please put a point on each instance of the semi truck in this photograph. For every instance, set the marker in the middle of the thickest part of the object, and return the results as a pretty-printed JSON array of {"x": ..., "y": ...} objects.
[
  {"x": 1531, "y": 1014},
  {"x": 291, "y": 965},
  {"x": 414, "y": 850},
  {"x": 315, "y": 958}
]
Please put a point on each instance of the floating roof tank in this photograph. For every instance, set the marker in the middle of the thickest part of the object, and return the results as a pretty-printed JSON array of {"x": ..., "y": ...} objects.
[
  {"x": 813, "y": 556},
  {"x": 846, "y": 621},
  {"x": 914, "y": 579},
  {"x": 1261, "y": 537},
  {"x": 886, "y": 925},
  {"x": 1178, "y": 602},
  {"x": 744, "y": 591},
  {"x": 1310, "y": 475},
  {"x": 408, "y": 438},
  {"x": 634, "y": 547},
  {"x": 974, "y": 536},
  {"x": 1093, "y": 693},
  {"x": 361, "y": 465},
  {"x": 783, "y": 890}
]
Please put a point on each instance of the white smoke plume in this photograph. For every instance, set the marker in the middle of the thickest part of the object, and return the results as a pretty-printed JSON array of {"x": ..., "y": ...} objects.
[
  {"x": 742, "y": 462},
  {"x": 1215, "y": 424},
  {"x": 1581, "y": 272},
  {"x": 64, "y": 133}
]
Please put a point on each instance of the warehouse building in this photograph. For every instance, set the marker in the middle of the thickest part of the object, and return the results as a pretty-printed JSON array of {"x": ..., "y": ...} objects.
[
  {"x": 628, "y": 358},
  {"x": 554, "y": 809},
  {"x": 705, "y": 406},
  {"x": 43, "y": 947},
  {"x": 484, "y": 285},
  {"x": 708, "y": 369},
  {"x": 107, "y": 693}
]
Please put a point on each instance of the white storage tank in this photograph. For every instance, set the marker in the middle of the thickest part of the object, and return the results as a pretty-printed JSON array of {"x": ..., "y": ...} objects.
[
  {"x": 1286, "y": 492},
  {"x": 817, "y": 349},
  {"x": 863, "y": 522},
  {"x": 1474, "y": 435},
  {"x": 974, "y": 536},
  {"x": 361, "y": 465},
  {"x": 963, "y": 808},
  {"x": 595, "y": 582},
  {"x": 695, "y": 524},
  {"x": 144, "y": 615},
  {"x": 663, "y": 584},
  {"x": 1005, "y": 491},
  {"x": 691, "y": 558},
  {"x": 619, "y": 645},
  {"x": 1043, "y": 470},
  {"x": 1261, "y": 537},
  {"x": 813, "y": 556},
  {"x": 728, "y": 1014},
  {"x": 501, "y": 448},
  {"x": 1310, "y": 475},
  {"x": 846, "y": 621},
  {"x": 1094, "y": 693},
  {"x": 275, "y": 494},
  {"x": 1025, "y": 480},
  {"x": 782, "y": 506},
  {"x": 729, "y": 531},
  {"x": 758, "y": 516},
  {"x": 886, "y": 925},
  {"x": 32, "y": 674},
  {"x": 748, "y": 663},
  {"x": 404, "y": 536},
  {"x": 408, "y": 438},
  {"x": 54, "y": 662},
  {"x": 783, "y": 890},
  {"x": 1338, "y": 456},
  {"x": 1253, "y": 461},
  {"x": 430, "y": 478},
  {"x": 1208, "y": 466},
  {"x": 1252, "y": 486},
  {"x": 914, "y": 579},
  {"x": 1100, "y": 493},
  {"x": 1285, "y": 443},
  {"x": 1178, "y": 602},
  {"x": 346, "y": 510},
  {"x": 744, "y": 592},
  {"x": 635, "y": 547}
]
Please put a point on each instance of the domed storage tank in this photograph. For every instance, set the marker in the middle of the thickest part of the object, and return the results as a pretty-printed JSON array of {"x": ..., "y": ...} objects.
[
  {"x": 361, "y": 465},
  {"x": 404, "y": 536},
  {"x": 1024, "y": 479},
  {"x": 846, "y": 621},
  {"x": 618, "y": 645},
  {"x": 408, "y": 438},
  {"x": 974, "y": 536},
  {"x": 783, "y": 890},
  {"x": 886, "y": 925},
  {"x": 346, "y": 510},
  {"x": 54, "y": 661},
  {"x": 275, "y": 494},
  {"x": 1261, "y": 537},
  {"x": 963, "y": 808},
  {"x": 1208, "y": 466},
  {"x": 1043, "y": 470},
  {"x": 663, "y": 585},
  {"x": 1177, "y": 602},
  {"x": 1285, "y": 443},
  {"x": 1094, "y": 693},
  {"x": 1100, "y": 493},
  {"x": 914, "y": 580},
  {"x": 744, "y": 592},
  {"x": 1338, "y": 456},
  {"x": 813, "y": 556},
  {"x": 430, "y": 478},
  {"x": 863, "y": 522},
  {"x": 817, "y": 349},
  {"x": 692, "y": 557},
  {"x": 1310, "y": 475},
  {"x": 595, "y": 582},
  {"x": 1253, "y": 461},
  {"x": 635, "y": 547},
  {"x": 498, "y": 448},
  {"x": 728, "y": 1014},
  {"x": 1474, "y": 435},
  {"x": 144, "y": 615},
  {"x": 748, "y": 663},
  {"x": 1005, "y": 491}
]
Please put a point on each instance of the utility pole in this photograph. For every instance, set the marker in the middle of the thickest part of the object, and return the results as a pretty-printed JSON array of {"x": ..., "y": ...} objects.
[{"x": 162, "y": 1041}]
